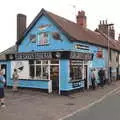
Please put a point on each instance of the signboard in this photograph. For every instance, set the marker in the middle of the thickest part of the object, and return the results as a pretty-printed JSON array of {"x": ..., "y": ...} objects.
[
  {"x": 76, "y": 84},
  {"x": 33, "y": 55},
  {"x": 81, "y": 56},
  {"x": 51, "y": 55},
  {"x": 22, "y": 69},
  {"x": 79, "y": 46},
  {"x": 99, "y": 53}
]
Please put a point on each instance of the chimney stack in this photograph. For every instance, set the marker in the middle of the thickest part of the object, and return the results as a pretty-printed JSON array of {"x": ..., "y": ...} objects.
[
  {"x": 21, "y": 25},
  {"x": 104, "y": 27},
  {"x": 119, "y": 37},
  {"x": 81, "y": 19}
]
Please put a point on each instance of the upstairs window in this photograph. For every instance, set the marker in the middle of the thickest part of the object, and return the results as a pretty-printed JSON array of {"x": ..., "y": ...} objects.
[{"x": 43, "y": 38}]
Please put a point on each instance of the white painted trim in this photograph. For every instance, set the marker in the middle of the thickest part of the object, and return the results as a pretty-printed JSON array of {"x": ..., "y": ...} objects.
[
  {"x": 50, "y": 86},
  {"x": 59, "y": 77},
  {"x": 50, "y": 81}
]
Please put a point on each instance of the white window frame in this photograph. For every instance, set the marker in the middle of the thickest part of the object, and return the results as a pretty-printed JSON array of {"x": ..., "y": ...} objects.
[{"x": 41, "y": 64}]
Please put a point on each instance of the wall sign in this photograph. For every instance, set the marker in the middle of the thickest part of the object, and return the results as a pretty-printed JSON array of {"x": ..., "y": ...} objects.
[
  {"x": 79, "y": 46},
  {"x": 22, "y": 68},
  {"x": 51, "y": 55},
  {"x": 33, "y": 38},
  {"x": 76, "y": 84},
  {"x": 33, "y": 55},
  {"x": 81, "y": 56},
  {"x": 56, "y": 36},
  {"x": 99, "y": 53},
  {"x": 44, "y": 26}
]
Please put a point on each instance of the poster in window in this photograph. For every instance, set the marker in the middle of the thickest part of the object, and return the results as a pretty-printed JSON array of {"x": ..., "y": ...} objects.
[
  {"x": 43, "y": 38},
  {"x": 22, "y": 68}
]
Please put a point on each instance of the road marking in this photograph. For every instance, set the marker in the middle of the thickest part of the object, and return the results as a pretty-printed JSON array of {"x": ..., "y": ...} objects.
[
  {"x": 90, "y": 105},
  {"x": 117, "y": 92}
]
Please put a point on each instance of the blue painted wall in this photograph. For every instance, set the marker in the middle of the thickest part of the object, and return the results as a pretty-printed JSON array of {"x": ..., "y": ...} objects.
[
  {"x": 27, "y": 46},
  {"x": 65, "y": 83},
  {"x": 56, "y": 45},
  {"x": 25, "y": 83}
]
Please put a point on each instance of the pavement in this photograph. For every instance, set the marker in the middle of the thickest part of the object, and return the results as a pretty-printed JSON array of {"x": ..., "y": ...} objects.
[{"x": 36, "y": 105}]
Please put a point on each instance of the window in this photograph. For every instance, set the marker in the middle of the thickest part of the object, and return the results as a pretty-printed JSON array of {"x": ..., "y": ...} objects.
[
  {"x": 54, "y": 61},
  {"x": 76, "y": 69},
  {"x": 43, "y": 38},
  {"x": 39, "y": 69}
]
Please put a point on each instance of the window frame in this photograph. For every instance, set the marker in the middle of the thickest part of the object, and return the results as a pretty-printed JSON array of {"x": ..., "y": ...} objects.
[
  {"x": 42, "y": 65},
  {"x": 38, "y": 38}
]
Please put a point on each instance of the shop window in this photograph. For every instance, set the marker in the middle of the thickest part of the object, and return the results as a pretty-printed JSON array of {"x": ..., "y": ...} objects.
[
  {"x": 43, "y": 38},
  {"x": 45, "y": 72},
  {"x": 38, "y": 61},
  {"x": 54, "y": 61},
  {"x": 76, "y": 71},
  {"x": 39, "y": 69},
  {"x": 31, "y": 61},
  {"x": 32, "y": 71},
  {"x": 45, "y": 62}
]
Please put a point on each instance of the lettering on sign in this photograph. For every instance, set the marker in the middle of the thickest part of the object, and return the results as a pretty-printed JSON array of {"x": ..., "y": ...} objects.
[
  {"x": 81, "y": 56},
  {"x": 76, "y": 84},
  {"x": 35, "y": 55},
  {"x": 79, "y": 46}
]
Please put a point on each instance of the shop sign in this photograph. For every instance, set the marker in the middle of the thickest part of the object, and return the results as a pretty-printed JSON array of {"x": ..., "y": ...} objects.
[
  {"x": 34, "y": 55},
  {"x": 79, "y": 46},
  {"x": 81, "y": 56},
  {"x": 76, "y": 84},
  {"x": 99, "y": 53}
]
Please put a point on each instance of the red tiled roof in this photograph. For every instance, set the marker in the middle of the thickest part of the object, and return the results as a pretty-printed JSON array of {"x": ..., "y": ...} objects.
[{"x": 76, "y": 32}]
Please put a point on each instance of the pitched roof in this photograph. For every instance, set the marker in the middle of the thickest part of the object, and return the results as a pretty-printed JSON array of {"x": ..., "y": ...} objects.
[
  {"x": 11, "y": 50},
  {"x": 75, "y": 32}
]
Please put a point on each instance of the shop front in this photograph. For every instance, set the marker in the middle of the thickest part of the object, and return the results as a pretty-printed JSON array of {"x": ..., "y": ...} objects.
[{"x": 53, "y": 71}]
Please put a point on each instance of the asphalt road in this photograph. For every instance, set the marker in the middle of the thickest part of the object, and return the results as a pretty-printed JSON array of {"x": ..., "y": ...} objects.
[{"x": 108, "y": 109}]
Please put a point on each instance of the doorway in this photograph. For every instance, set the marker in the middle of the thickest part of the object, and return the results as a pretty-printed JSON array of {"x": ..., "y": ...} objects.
[
  {"x": 54, "y": 76},
  {"x": 4, "y": 68}
]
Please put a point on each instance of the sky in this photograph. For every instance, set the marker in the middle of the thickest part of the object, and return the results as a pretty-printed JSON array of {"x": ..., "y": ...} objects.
[{"x": 95, "y": 10}]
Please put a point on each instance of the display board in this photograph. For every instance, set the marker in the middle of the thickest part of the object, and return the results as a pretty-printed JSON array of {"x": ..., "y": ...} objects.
[{"x": 22, "y": 68}]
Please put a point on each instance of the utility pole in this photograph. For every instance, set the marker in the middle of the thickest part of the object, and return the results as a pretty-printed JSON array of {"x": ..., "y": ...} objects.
[{"x": 108, "y": 27}]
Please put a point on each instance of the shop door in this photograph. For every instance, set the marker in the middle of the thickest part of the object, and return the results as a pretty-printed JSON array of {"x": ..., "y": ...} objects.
[
  {"x": 85, "y": 76},
  {"x": 54, "y": 76}
]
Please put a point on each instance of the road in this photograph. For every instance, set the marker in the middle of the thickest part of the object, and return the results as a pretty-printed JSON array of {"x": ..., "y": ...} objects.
[{"x": 108, "y": 109}]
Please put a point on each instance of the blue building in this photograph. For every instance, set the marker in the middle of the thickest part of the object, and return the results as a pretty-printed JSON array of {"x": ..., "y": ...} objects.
[{"x": 56, "y": 54}]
